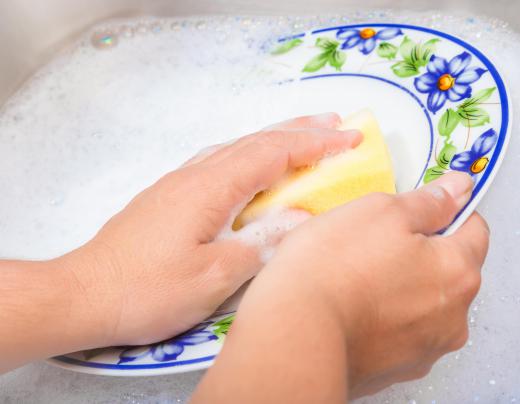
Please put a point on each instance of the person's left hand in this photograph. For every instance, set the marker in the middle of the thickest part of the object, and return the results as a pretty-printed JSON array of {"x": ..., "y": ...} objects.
[{"x": 158, "y": 268}]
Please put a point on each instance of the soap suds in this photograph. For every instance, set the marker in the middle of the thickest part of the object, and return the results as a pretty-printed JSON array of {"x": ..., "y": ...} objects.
[
  {"x": 267, "y": 230},
  {"x": 100, "y": 123}
]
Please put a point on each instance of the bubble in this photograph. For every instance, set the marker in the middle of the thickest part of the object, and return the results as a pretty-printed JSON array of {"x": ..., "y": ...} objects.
[
  {"x": 138, "y": 105},
  {"x": 156, "y": 28},
  {"x": 142, "y": 29},
  {"x": 104, "y": 39},
  {"x": 126, "y": 31},
  {"x": 57, "y": 200}
]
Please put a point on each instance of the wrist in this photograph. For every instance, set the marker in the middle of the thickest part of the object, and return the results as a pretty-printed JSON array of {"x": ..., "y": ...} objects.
[
  {"x": 286, "y": 333},
  {"x": 91, "y": 300},
  {"x": 42, "y": 312}
]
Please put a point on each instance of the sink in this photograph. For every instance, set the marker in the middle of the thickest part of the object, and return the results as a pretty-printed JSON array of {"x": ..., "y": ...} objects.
[{"x": 31, "y": 32}]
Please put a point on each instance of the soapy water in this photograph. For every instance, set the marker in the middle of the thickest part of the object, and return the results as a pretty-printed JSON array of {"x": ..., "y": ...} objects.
[{"x": 135, "y": 99}]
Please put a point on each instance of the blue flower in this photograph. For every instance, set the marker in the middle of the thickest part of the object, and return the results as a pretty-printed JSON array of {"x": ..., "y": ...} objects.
[
  {"x": 448, "y": 80},
  {"x": 474, "y": 161},
  {"x": 171, "y": 349},
  {"x": 365, "y": 39}
]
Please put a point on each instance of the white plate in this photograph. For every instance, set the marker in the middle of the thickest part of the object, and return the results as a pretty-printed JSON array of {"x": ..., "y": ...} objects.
[{"x": 441, "y": 103}]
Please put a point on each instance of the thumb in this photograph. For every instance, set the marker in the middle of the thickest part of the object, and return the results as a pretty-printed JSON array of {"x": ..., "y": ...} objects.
[
  {"x": 433, "y": 207},
  {"x": 231, "y": 263}
]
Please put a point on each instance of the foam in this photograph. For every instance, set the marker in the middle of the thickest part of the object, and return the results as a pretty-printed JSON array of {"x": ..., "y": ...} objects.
[
  {"x": 267, "y": 231},
  {"x": 96, "y": 126}
]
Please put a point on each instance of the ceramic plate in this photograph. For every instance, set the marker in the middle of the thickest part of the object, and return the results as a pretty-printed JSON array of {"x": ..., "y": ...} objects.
[{"x": 441, "y": 103}]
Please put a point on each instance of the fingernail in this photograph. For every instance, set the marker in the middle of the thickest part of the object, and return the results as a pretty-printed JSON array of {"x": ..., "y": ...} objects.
[
  {"x": 457, "y": 184},
  {"x": 326, "y": 117},
  {"x": 349, "y": 133},
  {"x": 318, "y": 120},
  {"x": 354, "y": 136}
]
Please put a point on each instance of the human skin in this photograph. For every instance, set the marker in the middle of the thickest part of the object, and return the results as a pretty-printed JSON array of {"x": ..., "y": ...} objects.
[
  {"x": 157, "y": 268},
  {"x": 355, "y": 300},
  {"x": 371, "y": 318}
]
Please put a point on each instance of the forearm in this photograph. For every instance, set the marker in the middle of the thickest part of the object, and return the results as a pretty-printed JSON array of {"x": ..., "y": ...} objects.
[
  {"x": 281, "y": 340},
  {"x": 42, "y": 312}
]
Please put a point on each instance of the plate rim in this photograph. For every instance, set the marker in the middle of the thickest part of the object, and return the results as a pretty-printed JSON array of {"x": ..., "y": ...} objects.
[{"x": 504, "y": 136}]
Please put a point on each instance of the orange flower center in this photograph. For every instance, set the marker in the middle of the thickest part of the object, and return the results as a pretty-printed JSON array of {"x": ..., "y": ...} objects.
[
  {"x": 445, "y": 82},
  {"x": 367, "y": 33},
  {"x": 479, "y": 165}
]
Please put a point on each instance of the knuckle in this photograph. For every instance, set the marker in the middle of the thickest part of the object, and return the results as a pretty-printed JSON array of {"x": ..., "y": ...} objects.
[
  {"x": 458, "y": 262},
  {"x": 388, "y": 207},
  {"x": 268, "y": 143},
  {"x": 471, "y": 282},
  {"x": 435, "y": 198},
  {"x": 416, "y": 373},
  {"x": 220, "y": 273},
  {"x": 423, "y": 371},
  {"x": 482, "y": 223},
  {"x": 384, "y": 202},
  {"x": 460, "y": 339},
  {"x": 268, "y": 138},
  {"x": 464, "y": 274},
  {"x": 439, "y": 203}
]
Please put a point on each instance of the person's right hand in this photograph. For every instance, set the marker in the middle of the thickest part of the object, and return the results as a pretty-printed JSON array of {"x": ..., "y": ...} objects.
[
  {"x": 400, "y": 291},
  {"x": 355, "y": 300}
]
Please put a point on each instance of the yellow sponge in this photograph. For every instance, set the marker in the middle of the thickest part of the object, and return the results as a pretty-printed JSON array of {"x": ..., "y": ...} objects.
[{"x": 334, "y": 180}]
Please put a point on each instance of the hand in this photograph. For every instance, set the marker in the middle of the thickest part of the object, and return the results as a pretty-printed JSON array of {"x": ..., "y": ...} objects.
[
  {"x": 158, "y": 267},
  {"x": 366, "y": 293},
  {"x": 401, "y": 292}
]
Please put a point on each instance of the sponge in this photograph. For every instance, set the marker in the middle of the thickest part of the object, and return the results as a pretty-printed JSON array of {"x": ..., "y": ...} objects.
[{"x": 334, "y": 180}]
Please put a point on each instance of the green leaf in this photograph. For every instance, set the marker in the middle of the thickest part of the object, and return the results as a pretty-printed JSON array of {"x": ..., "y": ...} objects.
[
  {"x": 445, "y": 156},
  {"x": 327, "y": 44},
  {"x": 479, "y": 98},
  {"x": 424, "y": 52},
  {"x": 406, "y": 48},
  {"x": 448, "y": 122},
  {"x": 221, "y": 327},
  {"x": 337, "y": 59},
  {"x": 473, "y": 116},
  {"x": 416, "y": 55},
  {"x": 387, "y": 50},
  {"x": 433, "y": 173},
  {"x": 287, "y": 46},
  {"x": 317, "y": 62},
  {"x": 405, "y": 69}
]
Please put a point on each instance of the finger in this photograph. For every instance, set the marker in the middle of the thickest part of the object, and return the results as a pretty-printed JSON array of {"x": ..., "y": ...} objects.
[
  {"x": 258, "y": 164},
  {"x": 205, "y": 153},
  {"x": 473, "y": 239},
  {"x": 434, "y": 206},
  {"x": 328, "y": 120}
]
